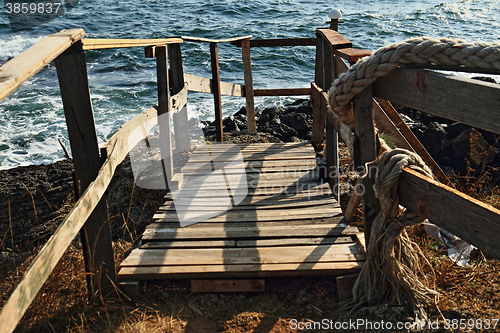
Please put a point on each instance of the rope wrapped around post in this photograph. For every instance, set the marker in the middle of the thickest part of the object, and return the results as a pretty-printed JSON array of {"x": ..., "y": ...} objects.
[
  {"x": 423, "y": 50},
  {"x": 389, "y": 274}
]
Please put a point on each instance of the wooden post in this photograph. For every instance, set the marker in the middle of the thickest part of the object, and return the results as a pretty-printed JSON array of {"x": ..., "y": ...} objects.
[
  {"x": 332, "y": 137},
  {"x": 318, "y": 131},
  {"x": 164, "y": 113},
  {"x": 214, "y": 58},
  {"x": 367, "y": 148},
  {"x": 247, "y": 71},
  {"x": 181, "y": 123},
  {"x": 96, "y": 233}
]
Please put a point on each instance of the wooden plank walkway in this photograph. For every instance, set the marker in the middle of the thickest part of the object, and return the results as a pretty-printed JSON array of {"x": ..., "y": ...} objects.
[{"x": 262, "y": 211}]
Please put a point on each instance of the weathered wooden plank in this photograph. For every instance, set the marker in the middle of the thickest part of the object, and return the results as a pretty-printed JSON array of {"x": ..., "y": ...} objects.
[
  {"x": 274, "y": 42},
  {"x": 413, "y": 141},
  {"x": 240, "y": 256},
  {"x": 318, "y": 128},
  {"x": 216, "y": 225},
  {"x": 224, "y": 232},
  {"x": 184, "y": 245},
  {"x": 278, "y": 200},
  {"x": 202, "y": 205},
  {"x": 214, "y": 59},
  {"x": 255, "y": 216},
  {"x": 95, "y": 235},
  {"x": 100, "y": 43},
  {"x": 353, "y": 55},
  {"x": 236, "y": 271},
  {"x": 201, "y": 84},
  {"x": 385, "y": 125},
  {"x": 448, "y": 96},
  {"x": 294, "y": 241},
  {"x": 466, "y": 217},
  {"x": 164, "y": 113},
  {"x": 179, "y": 98},
  {"x": 354, "y": 201},
  {"x": 345, "y": 132},
  {"x": 209, "y": 40},
  {"x": 282, "y": 92},
  {"x": 367, "y": 144},
  {"x": 306, "y": 189},
  {"x": 336, "y": 40},
  {"x": 249, "y": 94},
  {"x": 228, "y": 286},
  {"x": 16, "y": 71}
]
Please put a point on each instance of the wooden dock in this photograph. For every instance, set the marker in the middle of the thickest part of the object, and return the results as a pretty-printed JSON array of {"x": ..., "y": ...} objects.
[{"x": 286, "y": 223}]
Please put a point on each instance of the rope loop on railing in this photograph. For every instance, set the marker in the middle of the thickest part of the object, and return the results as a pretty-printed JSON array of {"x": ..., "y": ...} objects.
[
  {"x": 423, "y": 50},
  {"x": 393, "y": 261}
]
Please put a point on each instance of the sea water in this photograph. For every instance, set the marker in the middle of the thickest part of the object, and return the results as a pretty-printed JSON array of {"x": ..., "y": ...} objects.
[{"x": 123, "y": 82}]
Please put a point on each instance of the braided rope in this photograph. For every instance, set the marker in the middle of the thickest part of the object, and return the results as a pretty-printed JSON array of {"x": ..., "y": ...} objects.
[
  {"x": 389, "y": 275},
  {"x": 424, "y": 50}
]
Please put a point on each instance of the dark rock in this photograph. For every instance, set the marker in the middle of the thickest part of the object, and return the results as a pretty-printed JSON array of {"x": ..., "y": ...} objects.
[
  {"x": 229, "y": 124},
  {"x": 243, "y": 111},
  {"x": 455, "y": 129},
  {"x": 305, "y": 135},
  {"x": 445, "y": 161},
  {"x": 269, "y": 114},
  {"x": 299, "y": 121},
  {"x": 433, "y": 140}
]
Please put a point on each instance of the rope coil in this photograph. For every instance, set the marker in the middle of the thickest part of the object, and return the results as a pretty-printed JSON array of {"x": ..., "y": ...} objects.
[
  {"x": 389, "y": 274},
  {"x": 423, "y": 50}
]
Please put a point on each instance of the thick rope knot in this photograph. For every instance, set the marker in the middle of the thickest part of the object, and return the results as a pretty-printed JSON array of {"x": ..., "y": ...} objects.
[
  {"x": 389, "y": 168},
  {"x": 424, "y": 50},
  {"x": 389, "y": 274}
]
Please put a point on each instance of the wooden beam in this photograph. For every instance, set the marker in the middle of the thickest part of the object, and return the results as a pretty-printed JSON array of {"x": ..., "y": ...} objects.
[
  {"x": 16, "y": 71},
  {"x": 201, "y": 84},
  {"x": 345, "y": 132},
  {"x": 282, "y": 92},
  {"x": 214, "y": 58},
  {"x": 318, "y": 128},
  {"x": 96, "y": 234},
  {"x": 164, "y": 113},
  {"x": 367, "y": 145},
  {"x": 447, "y": 96},
  {"x": 274, "y": 42},
  {"x": 354, "y": 202},
  {"x": 413, "y": 141},
  {"x": 249, "y": 95},
  {"x": 466, "y": 217},
  {"x": 100, "y": 44},
  {"x": 333, "y": 38},
  {"x": 179, "y": 98},
  {"x": 208, "y": 40},
  {"x": 385, "y": 125},
  {"x": 228, "y": 286},
  {"x": 353, "y": 55}
]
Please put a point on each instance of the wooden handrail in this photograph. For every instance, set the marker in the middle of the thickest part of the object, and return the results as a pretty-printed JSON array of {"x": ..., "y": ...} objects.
[
  {"x": 279, "y": 42},
  {"x": 100, "y": 44},
  {"x": 16, "y": 71},
  {"x": 118, "y": 147},
  {"x": 461, "y": 99},
  {"x": 458, "y": 213}
]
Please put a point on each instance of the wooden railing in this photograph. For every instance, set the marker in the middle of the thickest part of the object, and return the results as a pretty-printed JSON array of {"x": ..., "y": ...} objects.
[
  {"x": 471, "y": 102},
  {"x": 89, "y": 215}
]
